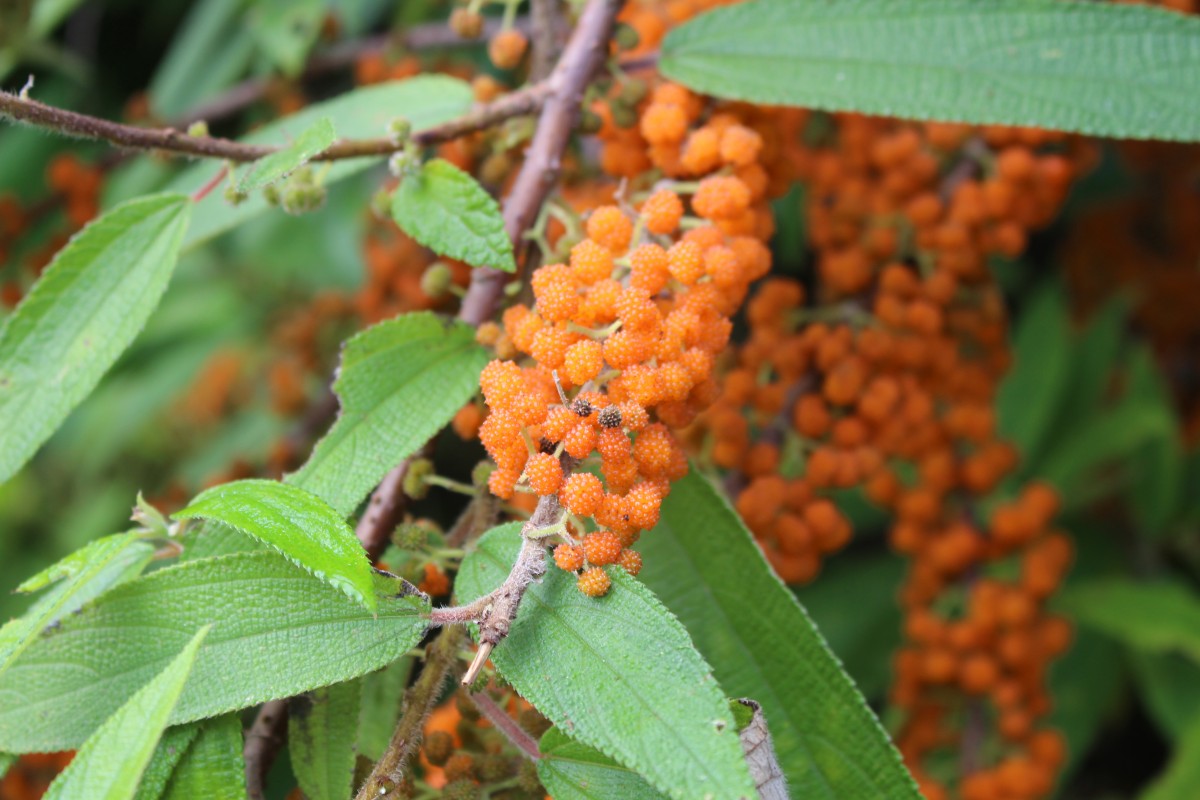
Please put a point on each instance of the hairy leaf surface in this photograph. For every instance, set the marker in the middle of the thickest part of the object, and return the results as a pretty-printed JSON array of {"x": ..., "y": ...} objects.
[
  {"x": 277, "y": 166},
  {"x": 213, "y": 765},
  {"x": 322, "y": 726},
  {"x": 573, "y": 771}
]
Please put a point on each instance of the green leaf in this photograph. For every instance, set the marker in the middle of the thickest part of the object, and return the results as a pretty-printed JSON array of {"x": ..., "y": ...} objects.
[
  {"x": 47, "y": 14},
  {"x": 277, "y": 631},
  {"x": 382, "y": 693},
  {"x": 321, "y": 739},
  {"x": 213, "y": 765},
  {"x": 1181, "y": 780},
  {"x": 85, "y": 575},
  {"x": 1169, "y": 685},
  {"x": 212, "y": 49},
  {"x": 1093, "y": 68},
  {"x": 286, "y": 30},
  {"x": 1035, "y": 387},
  {"x": 312, "y": 140},
  {"x": 399, "y": 383},
  {"x": 171, "y": 747},
  {"x": 573, "y": 771},
  {"x": 295, "y": 522},
  {"x": 81, "y": 314},
  {"x": 618, "y": 672},
  {"x": 1087, "y": 684},
  {"x": 6, "y": 762},
  {"x": 1155, "y": 617},
  {"x": 1156, "y": 490},
  {"x": 361, "y": 114},
  {"x": 702, "y": 562},
  {"x": 447, "y": 210},
  {"x": 111, "y": 762}
]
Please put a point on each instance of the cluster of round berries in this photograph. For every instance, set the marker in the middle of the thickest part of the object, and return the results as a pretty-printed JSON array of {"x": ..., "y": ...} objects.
[{"x": 633, "y": 322}]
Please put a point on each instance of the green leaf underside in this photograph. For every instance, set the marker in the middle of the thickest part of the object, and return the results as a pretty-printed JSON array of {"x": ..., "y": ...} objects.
[
  {"x": 1181, "y": 779},
  {"x": 703, "y": 564},
  {"x": 277, "y": 632},
  {"x": 399, "y": 383},
  {"x": 617, "y": 673},
  {"x": 1157, "y": 618},
  {"x": 213, "y": 765},
  {"x": 573, "y": 771},
  {"x": 80, "y": 316},
  {"x": 322, "y": 726},
  {"x": 171, "y": 747},
  {"x": 361, "y": 114},
  {"x": 109, "y": 765},
  {"x": 295, "y": 522},
  {"x": 84, "y": 575},
  {"x": 312, "y": 140},
  {"x": 447, "y": 210},
  {"x": 382, "y": 693},
  {"x": 1093, "y": 68}
]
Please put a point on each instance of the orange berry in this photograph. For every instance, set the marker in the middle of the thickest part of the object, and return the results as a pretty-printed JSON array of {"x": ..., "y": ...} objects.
[
  {"x": 662, "y": 212},
  {"x": 630, "y": 561},
  {"x": 544, "y": 472},
  {"x": 507, "y": 47},
  {"x": 594, "y": 582},
  {"x": 608, "y": 226},
  {"x": 685, "y": 261},
  {"x": 568, "y": 557},
  {"x": 642, "y": 505},
  {"x": 581, "y": 441},
  {"x": 648, "y": 268},
  {"x": 590, "y": 262},
  {"x": 584, "y": 360},
  {"x": 663, "y": 123},
  {"x": 740, "y": 146},
  {"x": 721, "y": 197},
  {"x": 582, "y": 494},
  {"x": 601, "y": 548},
  {"x": 702, "y": 152}
]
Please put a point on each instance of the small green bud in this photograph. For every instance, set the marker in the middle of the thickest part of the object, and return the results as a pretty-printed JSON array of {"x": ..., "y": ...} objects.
[
  {"x": 414, "y": 479},
  {"x": 482, "y": 471},
  {"x": 633, "y": 91},
  {"x": 494, "y": 767},
  {"x": 527, "y": 777},
  {"x": 495, "y": 168},
  {"x": 381, "y": 204},
  {"x": 199, "y": 128},
  {"x": 234, "y": 196},
  {"x": 461, "y": 789},
  {"x": 271, "y": 194},
  {"x": 149, "y": 517},
  {"x": 624, "y": 115},
  {"x": 437, "y": 280},
  {"x": 589, "y": 121},
  {"x": 399, "y": 129},
  {"x": 626, "y": 36},
  {"x": 411, "y": 537},
  {"x": 512, "y": 289},
  {"x": 439, "y": 746},
  {"x": 404, "y": 163}
]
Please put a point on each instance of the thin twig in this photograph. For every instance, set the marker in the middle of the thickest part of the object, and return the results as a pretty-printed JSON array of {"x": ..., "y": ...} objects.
[
  {"x": 441, "y": 657},
  {"x": 508, "y": 726}
]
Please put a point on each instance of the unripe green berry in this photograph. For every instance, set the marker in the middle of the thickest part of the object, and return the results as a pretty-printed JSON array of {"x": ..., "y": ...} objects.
[
  {"x": 439, "y": 746},
  {"x": 198, "y": 128},
  {"x": 626, "y": 36},
  {"x": 399, "y": 129},
  {"x": 414, "y": 479},
  {"x": 437, "y": 280}
]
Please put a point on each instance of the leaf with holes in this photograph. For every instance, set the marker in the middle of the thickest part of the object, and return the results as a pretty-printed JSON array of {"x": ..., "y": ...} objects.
[
  {"x": 295, "y": 522},
  {"x": 618, "y": 673},
  {"x": 1095, "y": 68},
  {"x": 447, "y": 210},
  {"x": 277, "y": 631},
  {"x": 82, "y": 313}
]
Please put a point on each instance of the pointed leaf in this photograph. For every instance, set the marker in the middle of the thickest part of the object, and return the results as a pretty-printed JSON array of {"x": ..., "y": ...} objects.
[
  {"x": 110, "y": 763},
  {"x": 702, "y": 562},
  {"x": 573, "y": 771},
  {"x": 321, "y": 736},
  {"x": 1095, "y": 68},
  {"x": 382, "y": 693},
  {"x": 361, "y": 114},
  {"x": 1155, "y": 617},
  {"x": 213, "y": 765},
  {"x": 82, "y": 313},
  {"x": 277, "y": 631},
  {"x": 312, "y": 140},
  {"x": 447, "y": 210},
  {"x": 85, "y": 575},
  {"x": 298, "y": 524},
  {"x": 171, "y": 747},
  {"x": 399, "y": 383},
  {"x": 618, "y": 673}
]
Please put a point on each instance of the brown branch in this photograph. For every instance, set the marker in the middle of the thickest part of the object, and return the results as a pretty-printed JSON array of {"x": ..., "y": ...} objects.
[
  {"x": 171, "y": 140},
  {"x": 263, "y": 740},
  {"x": 508, "y": 726},
  {"x": 441, "y": 657},
  {"x": 584, "y": 54}
]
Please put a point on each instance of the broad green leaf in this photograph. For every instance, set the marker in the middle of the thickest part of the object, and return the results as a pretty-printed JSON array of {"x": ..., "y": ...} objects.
[
  {"x": 321, "y": 739},
  {"x": 277, "y": 631},
  {"x": 1039, "y": 381},
  {"x": 361, "y": 114},
  {"x": 382, "y": 693},
  {"x": 1155, "y": 617},
  {"x": 399, "y": 383},
  {"x": 295, "y": 522},
  {"x": 1181, "y": 780},
  {"x": 277, "y": 166},
  {"x": 171, "y": 747},
  {"x": 853, "y": 603},
  {"x": 1169, "y": 685},
  {"x": 286, "y": 30},
  {"x": 1094, "y": 68},
  {"x": 1156, "y": 488},
  {"x": 209, "y": 539},
  {"x": 109, "y": 766},
  {"x": 447, "y": 210},
  {"x": 85, "y": 575},
  {"x": 703, "y": 564},
  {"x": 213, "y": 765},
  {"x": 618, "y": 673},
  {"x": 47, "y": 14},
  {"x": 212, "y": 49},
  {"x": 573, "y": 771},
  {"x": 82, "y": 313}
]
